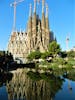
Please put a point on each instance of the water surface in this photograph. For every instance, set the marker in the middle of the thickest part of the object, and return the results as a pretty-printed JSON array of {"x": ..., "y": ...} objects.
[{"x": 34, "y": 86}]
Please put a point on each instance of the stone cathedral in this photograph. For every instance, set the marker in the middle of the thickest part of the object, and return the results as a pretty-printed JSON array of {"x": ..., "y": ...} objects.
[{"x": 37, "y": 35}]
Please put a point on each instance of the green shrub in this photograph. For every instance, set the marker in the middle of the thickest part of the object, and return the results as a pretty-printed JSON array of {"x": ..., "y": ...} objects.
[
  {"x": 34, "y": 55},
  {"x": 54, "y": 48}
]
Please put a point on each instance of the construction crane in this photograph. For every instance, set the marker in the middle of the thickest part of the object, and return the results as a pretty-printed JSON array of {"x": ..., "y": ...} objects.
[
  {"x": 14, "y": 4},
  {"x": 67, "y": 42}
]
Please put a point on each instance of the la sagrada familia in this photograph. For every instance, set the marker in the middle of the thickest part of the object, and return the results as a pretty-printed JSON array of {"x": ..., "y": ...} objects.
[{"x": 37, "y": 36}]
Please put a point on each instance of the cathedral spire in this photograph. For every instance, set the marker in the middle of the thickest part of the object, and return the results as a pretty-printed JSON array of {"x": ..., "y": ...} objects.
[
  {"x": 30, "y": 11},
  {"x": 43, "y": 15},
  {"x": 34, "y": 6},
  {"x": 30, "y": 20},
  {"x": 43, "y": 4},
  {"x": 46, "y": 10},
  {"x": 34, "y": 16},
  {"x": 46, "y": 19}
]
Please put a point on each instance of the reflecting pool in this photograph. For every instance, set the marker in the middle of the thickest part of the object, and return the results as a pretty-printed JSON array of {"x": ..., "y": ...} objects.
[{"x": 24, "y": 85}]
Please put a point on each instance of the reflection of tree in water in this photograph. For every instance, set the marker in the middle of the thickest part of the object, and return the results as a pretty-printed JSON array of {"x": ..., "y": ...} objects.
[
  {"x": 71, "y": 75},
  {"x": 33, "y": 86},
  {"x": 4, "y": 77}
]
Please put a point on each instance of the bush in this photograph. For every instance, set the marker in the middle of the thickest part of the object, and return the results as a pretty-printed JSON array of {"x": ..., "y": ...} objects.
[
  {"x": 71, "y": 54},
  {"x": 34, "y": 55},
  {"x": 54, "y": 47},
  {"x": 46, "y": 54}
]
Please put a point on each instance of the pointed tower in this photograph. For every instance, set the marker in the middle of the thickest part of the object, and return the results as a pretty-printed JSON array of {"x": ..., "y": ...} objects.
[
  {"x": 46, "y": 19},
  {"x": 47, "y": 29},
  {"x": 30, "y": 20},
  {"x": 43, "y": 23},
  {"x": 34, "y": 25},
  {"x": 34, "y": 16},
  {"x": 43, "y": 15},
  {"x": 30, "y": 28}
]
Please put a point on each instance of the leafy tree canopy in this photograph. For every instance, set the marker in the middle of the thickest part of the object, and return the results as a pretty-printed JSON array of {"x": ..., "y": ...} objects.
[
  {"x": 34, "y": 55},
  {"x": 54, "y": 47},
  {"x": 46, "y": 54},
  {"x": 71, "y": 54}
]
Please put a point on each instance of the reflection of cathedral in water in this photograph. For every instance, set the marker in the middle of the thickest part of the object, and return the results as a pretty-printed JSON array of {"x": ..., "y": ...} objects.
[{"x": 22, "y": 87}]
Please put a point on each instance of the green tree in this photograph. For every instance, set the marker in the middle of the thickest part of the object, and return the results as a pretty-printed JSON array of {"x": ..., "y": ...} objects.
[
  {"x": 54, "y": 48},
  {"x": 34, "y": 55},
  {"x": 71, "y": 54},
  {"x": 46, "y": 54}
]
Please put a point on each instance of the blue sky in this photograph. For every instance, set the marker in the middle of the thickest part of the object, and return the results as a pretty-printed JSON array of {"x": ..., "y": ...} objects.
[{"x": 61, "y": 20}]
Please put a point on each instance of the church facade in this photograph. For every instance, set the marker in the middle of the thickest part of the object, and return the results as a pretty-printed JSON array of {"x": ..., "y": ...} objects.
[{"x": 36, "y": 37}]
